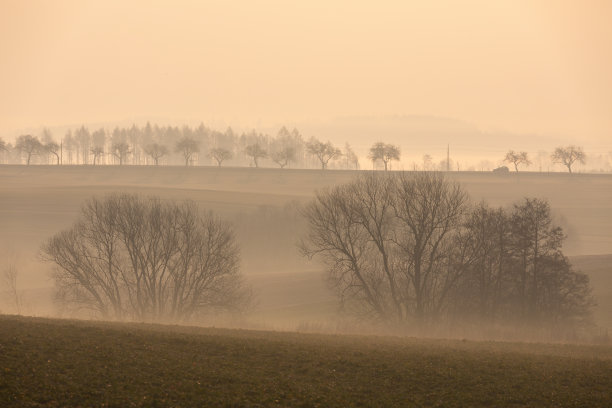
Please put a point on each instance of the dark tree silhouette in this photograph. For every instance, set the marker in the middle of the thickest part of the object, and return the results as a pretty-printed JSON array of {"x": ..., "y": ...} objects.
[
  {"x": 387, "y": 242},
  {"x": 54, "y": 149},
  {"x": 384, "y": 152},
  {"x": 156, "y": 151},
  {"x": 28, "y": 145},
  {"x": 409, "y": 248},
  {"x": 120, "y": 151},
  {"x": 256, "y": 152},
  {"x": 141, "y": 258},
  {"x": 517, "y": 158},
  {"x": 324, "y": 152},
  {"x": 187, "y": 147},
  {"x": 568, "y": 155},
  {"x": 541, "y": 269},
  {"x": 97, "y": 152},
  {"x": 220, "y": 154},
  {"x": 283, "y": 156}
]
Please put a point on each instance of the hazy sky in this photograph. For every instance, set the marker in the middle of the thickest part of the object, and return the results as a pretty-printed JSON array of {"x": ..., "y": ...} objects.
[{"x": 513, "y": 65}]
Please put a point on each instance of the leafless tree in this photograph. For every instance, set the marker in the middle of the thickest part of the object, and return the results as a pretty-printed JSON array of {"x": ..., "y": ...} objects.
[
  {"x": 3, "y": 145},
  {"x": 430, "y": 211},
  {"x": 121, "y": 150},
  {"x": 156, "y": 151},
  {"x": 54, "y": 149},
  {"x": 537, "y": 248},
  {"x": 10, "y": 274},
  {"x": 517, "y": 158},
  {"x": 187, "y": 147},
  {"x": 141, "y": 258},
  {"x": 387, "y": 243},
  {"x": 220, "y": 154},
  {"x": 568, "y": 155},
  {"x": 484, "y": 287},
  {"x": 97, "y": 152},
  {"x": 256, "y": 152},
  {"x": 283, "y": 156},
  {"x": 384, "y": 152},
  {"x": 324, "y": 152},
  {"x": 28, "y": 144},
  {"x": 410, "y": 248}
]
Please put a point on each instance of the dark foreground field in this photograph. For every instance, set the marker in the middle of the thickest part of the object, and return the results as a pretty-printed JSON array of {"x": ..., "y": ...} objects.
[{"x": 69, "y": 363}]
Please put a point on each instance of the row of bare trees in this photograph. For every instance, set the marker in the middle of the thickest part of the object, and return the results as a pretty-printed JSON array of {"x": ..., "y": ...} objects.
[
  {"x": 172, "y": 145},
  {"x": 565, "y": 155},
  {"x": 412, "y": 249},
  {"x": 157, "y": 145}
]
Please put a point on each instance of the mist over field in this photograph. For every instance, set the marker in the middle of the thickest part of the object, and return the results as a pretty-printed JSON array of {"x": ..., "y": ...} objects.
[
  {"x": 316, "y": 203},
  {"x": 264, "y": 206}
]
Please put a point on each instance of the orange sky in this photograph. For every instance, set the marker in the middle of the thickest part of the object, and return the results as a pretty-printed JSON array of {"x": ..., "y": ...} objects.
[{"x": 513, "y": 65}]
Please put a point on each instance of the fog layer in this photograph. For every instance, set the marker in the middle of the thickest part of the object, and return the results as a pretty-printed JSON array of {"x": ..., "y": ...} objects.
[{"x": 520, "y": 66}]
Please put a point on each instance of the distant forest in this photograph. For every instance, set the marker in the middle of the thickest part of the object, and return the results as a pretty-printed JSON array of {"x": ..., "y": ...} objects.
[
  {"x": 168, "y": 145},
  {"x": 202, "y": 146}
]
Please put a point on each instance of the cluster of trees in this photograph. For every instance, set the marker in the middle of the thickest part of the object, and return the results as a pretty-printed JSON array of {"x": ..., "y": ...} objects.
[
  {"x": 565, "y": 155},
  {"x": 129, "y": 257},
  {"x": 155, "y": 145},
  {"x": 404, "y": 248},
  {"x": 412, "y": 249}
]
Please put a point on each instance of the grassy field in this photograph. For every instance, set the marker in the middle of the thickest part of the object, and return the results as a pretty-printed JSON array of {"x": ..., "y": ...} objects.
[{"x": 55, "y": 363}]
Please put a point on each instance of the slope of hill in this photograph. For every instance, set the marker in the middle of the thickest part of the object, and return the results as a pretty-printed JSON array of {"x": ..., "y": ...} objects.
[{"x": 38, "y": 201}]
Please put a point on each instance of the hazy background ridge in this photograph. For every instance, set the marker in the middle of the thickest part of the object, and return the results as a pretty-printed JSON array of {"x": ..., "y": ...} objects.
[{"x": 518, "y": 67}]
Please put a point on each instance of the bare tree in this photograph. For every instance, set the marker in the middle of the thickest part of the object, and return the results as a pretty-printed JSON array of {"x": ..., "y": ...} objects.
[
  {"x": 283, "y": 156},
  {"x": 28, "y": 144},
  {"x": 10, "y": 275},
  {"x": 156, "y": 151},
  {"x": 97, "y": 152},
  {"x": 256, "y": 152},
  {"x": 3, "y": 145},
  {"x": 54, "y": 149},
  {"x": 430, "y": 210},
  {"x": 568, "y": 155},
  {"x": 517, "y": 158},
  {"x": 187, "y": 147},
  {"x": 484, "y": 289},
  {"x": 541, "y": 267},
  {"x": 384, "y": 152},
  {"x": 324, "y": 152},
  {"x": 387, "y": 243},
  {"x": 220, "y": 154},
  {"x": 410, "y": 249},
  {"x": 141, "y": 258},
  {"x": 121, "y": 150}
]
